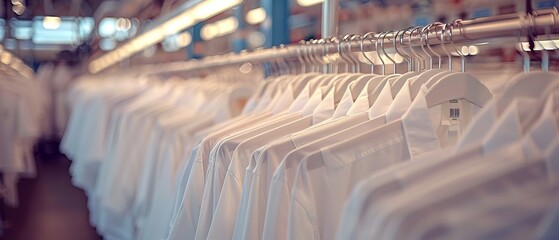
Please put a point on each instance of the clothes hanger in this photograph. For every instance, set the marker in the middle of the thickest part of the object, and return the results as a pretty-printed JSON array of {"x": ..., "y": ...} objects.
[
  {"x": 458, "y": 85},
  {"x": 379, "y": 82},
  {"x": 394, "y": 76},
  {"x": 423, "y": 77},
  {"x": 366, "y": 37},
  {"x": 341, "y": 86},
  {"x": 359, "y": 84},
  {"x": 400, "y": 79},
  {"x": 399, "y": 83},
  {"x": 338, "y": 79},
  {"x": 303, "y": 80},
  {"x": 315, "y": 78},
  {"x": 527, "y": 84},
  {"x": 301, "y": 61},
  {"x": 354, "y": 64},
  {"x": 437, "y": 77},
  {"x": 372, "y": 80}
]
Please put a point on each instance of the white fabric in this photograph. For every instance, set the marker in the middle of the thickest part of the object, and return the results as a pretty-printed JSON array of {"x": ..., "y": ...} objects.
[{"x": 345, "y": 163}]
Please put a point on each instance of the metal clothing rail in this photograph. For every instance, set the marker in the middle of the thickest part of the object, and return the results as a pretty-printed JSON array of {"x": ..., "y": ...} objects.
[{"x": 510, "y": 25}]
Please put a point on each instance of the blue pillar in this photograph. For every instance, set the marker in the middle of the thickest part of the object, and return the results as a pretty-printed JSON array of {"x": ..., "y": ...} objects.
[
  {"x": 276, "y": 26},
  {"x": 196, "y": 39},
  {"x": 239, "y": 42}
]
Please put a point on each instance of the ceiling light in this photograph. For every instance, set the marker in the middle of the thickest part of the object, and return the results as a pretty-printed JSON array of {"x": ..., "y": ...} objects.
[
  {"x": 306, "y": 3},
  {"x": 51, "y": 23},
  {"x": 6, "y": 58},
  {"x": 183, "y": 39},
  {"x": 227, "y": 25},
  {"x": 219, "y": 28},
  {"x": 473, "y": 50},
  {"x": 209, "y": 8},
  {"x": 18, "y": 9},
  {"x": 465, "y": 51},
  {"x": 123, "y": 24},
  {"x": 209, "y": 31},
  {"x": 178, "y": 22},
  {"x": 256, "y": 16}
]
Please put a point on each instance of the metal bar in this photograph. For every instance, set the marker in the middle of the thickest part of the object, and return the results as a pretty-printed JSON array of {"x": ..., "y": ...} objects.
[
  {"x": 330, "y": 16},
  {"x": 511, "y": 25}
]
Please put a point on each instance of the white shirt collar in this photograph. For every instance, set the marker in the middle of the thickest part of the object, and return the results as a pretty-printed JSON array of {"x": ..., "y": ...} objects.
[
  {"x": 286, "y": 99},
  {"x": 362, "y": 103},
  {"x": 325, "y": 109},
  {"x": 383, "y": 102},
  {"x": 314, "y": 101},
  {"x": 418, "y": 128},
  {"x": 415, "y": 125}
]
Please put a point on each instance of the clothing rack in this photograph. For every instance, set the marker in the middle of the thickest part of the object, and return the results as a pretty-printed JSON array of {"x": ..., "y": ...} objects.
[{"x": 545, "y": 22}]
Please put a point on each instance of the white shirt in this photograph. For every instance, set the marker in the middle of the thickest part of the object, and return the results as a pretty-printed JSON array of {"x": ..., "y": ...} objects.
[
  {"x": 326, "y": 177},
  {"x": 275, "y": 224},
  {"x": 217, "y": 169},
  {"x": 226, "y": 211},
  {"x": 186, "y": 221},
  {"x": 350, "y": 95},
  {"x": 541, "y": 137},
  {"x": 223, "y": 156}
]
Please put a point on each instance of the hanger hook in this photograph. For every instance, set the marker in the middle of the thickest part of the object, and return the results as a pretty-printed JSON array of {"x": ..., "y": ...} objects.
[
  {"x": 420, "y": 59},
  {"x": 383, "y": 69},
  {"x": 394, "y": 42},
  {"x": 345, "y": 39},
  {"x": 333, "y": 61},
  {"x": 347, "y": 54},
  {"x": 325, "y": 57},
  {"x": 443, "y": 34},
  {"x": 326, "y": 51},
  {"x": 410, "y": 55},
  {"x": 545, "y": 53},
  {"x": 338, "y": 43},
  {"x": 433, "y": 25},
  {"x": 423, "y": 43},
  {"x": 284, "y": 63},
  {"x": 312, "y": 55},
  {"x": 300, "y": 58},
  {"x": 354, "y": 37},
  {"x": 366, "y": 37},
  {"x": 458, "y": 23},
  {"x": 525, "y": 56},
  {"x": 305, "y": 56},
  {"x": 319, "y": 56},
  {"x": 384, "y": 51}
]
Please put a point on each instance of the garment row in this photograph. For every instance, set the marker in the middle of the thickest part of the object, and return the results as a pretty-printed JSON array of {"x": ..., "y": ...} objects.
[
  {"x": 317, "y": 156},
  {"x": 23, "y": 105}
]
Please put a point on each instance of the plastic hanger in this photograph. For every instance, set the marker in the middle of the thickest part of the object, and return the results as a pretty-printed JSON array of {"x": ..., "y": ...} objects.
[{"x": 459, "y": 85}]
